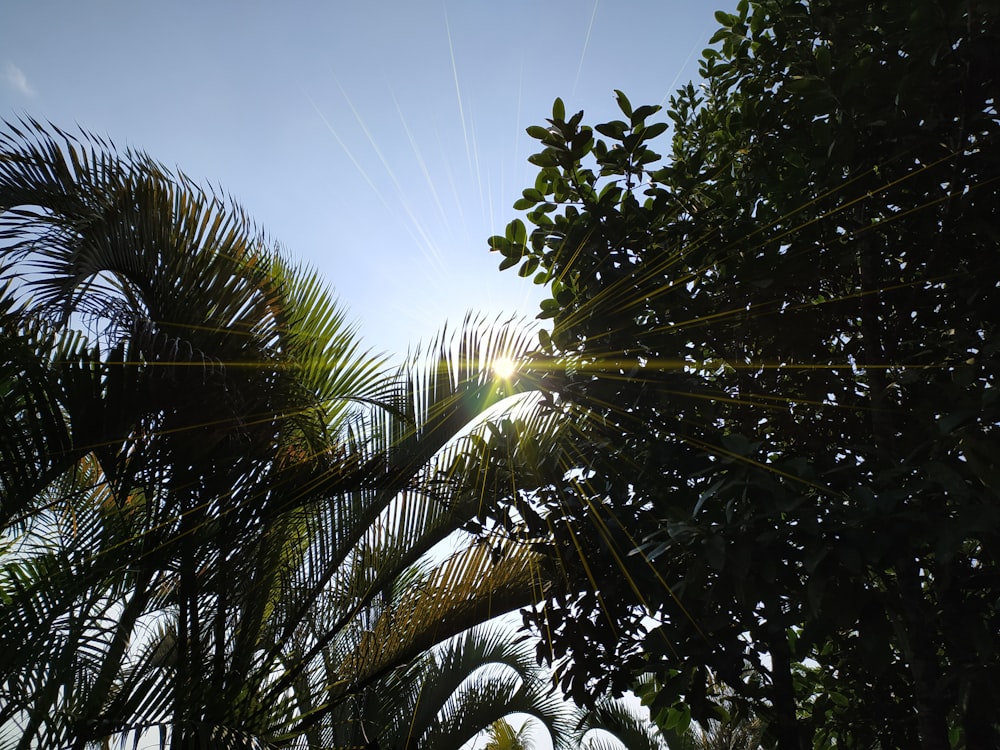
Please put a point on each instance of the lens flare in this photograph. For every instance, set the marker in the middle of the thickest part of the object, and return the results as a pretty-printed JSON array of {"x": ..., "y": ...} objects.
[{"x": 505, "y": 367}]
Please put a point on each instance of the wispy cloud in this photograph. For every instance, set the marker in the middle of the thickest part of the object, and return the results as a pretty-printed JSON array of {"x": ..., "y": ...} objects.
[{"x": 15, "y": 78}]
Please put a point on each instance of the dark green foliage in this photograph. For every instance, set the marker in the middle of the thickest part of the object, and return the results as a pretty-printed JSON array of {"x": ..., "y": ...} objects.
[{"x": 779, "y": 347}]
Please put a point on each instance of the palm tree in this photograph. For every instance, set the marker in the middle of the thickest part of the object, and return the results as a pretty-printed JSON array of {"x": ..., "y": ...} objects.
[
  {"x": 615, "y": 723},
  {"x": 503, "y": 736},
  {"x": 451, "y": 694},
  {"x": 217, "y": 509},
  {"x": 744, "y": 734}
]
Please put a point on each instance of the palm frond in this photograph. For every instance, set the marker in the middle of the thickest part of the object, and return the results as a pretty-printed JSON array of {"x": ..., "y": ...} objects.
[
  {"x": 456, "y": 691},
  {"x": 38, "y": 368},
  {"x": 616, "y": 723}
]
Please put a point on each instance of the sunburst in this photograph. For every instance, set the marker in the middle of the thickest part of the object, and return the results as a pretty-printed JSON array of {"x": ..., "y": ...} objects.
[{"x": 505, "y": 368}]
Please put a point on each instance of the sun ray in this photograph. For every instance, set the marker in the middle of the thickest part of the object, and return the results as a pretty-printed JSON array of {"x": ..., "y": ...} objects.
[
  {"x": 458, "y": 88},
  {"x": 416, "y": 227},
  {"x": 698, "y": 42},
  {"x": 583, "y": 52},
  {"x": 361, "y": 170},
  {"x": 477, "y": 167},
  {"x": 429, "y": 181}
]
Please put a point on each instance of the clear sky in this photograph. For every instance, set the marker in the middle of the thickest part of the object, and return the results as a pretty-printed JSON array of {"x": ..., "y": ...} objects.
[{"x": 381, "y": 141}]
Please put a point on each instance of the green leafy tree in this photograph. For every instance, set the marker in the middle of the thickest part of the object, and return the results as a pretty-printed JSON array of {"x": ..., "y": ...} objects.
[
  {"x": 215, "y": 505},
  {"x": 777, "y": 349}
]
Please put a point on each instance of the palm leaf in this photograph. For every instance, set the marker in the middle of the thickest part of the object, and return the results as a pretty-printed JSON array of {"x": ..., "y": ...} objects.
[{"x": 616, "y": 723}]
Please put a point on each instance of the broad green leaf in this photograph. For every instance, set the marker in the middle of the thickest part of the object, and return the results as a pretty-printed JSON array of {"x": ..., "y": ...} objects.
[
  {"x": 558, "y": 110},
  {"x": 623, "y": 103},
  {"x": 538, "y": 133},
  {"x": 614, "y": 129},
  {"x": 500, "y": 244},
  {"x": 641, "y": 113},
  {"x": 516, "y": 232},
  {"x": 509, "y": 262}
]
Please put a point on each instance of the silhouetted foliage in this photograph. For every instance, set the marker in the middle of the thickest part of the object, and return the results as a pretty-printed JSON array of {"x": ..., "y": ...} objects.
[{"x": 778, "y": 347}]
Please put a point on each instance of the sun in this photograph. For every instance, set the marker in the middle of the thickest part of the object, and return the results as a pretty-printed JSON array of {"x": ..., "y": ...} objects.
[{"x": 504, "y": 367}]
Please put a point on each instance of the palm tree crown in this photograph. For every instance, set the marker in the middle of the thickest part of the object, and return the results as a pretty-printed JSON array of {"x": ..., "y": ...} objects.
[{"x": 216, "y": 507}]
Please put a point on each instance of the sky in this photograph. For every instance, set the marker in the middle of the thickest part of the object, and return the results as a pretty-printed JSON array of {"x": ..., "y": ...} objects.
[{"x": 380, "y": 141}]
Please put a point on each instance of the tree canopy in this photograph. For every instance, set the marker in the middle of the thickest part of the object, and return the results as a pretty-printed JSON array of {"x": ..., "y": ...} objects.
[{"x": 777, "y": 349}]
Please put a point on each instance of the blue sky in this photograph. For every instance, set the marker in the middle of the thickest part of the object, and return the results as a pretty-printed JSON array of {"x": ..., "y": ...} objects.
[{"x": 380, "y": 141}]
